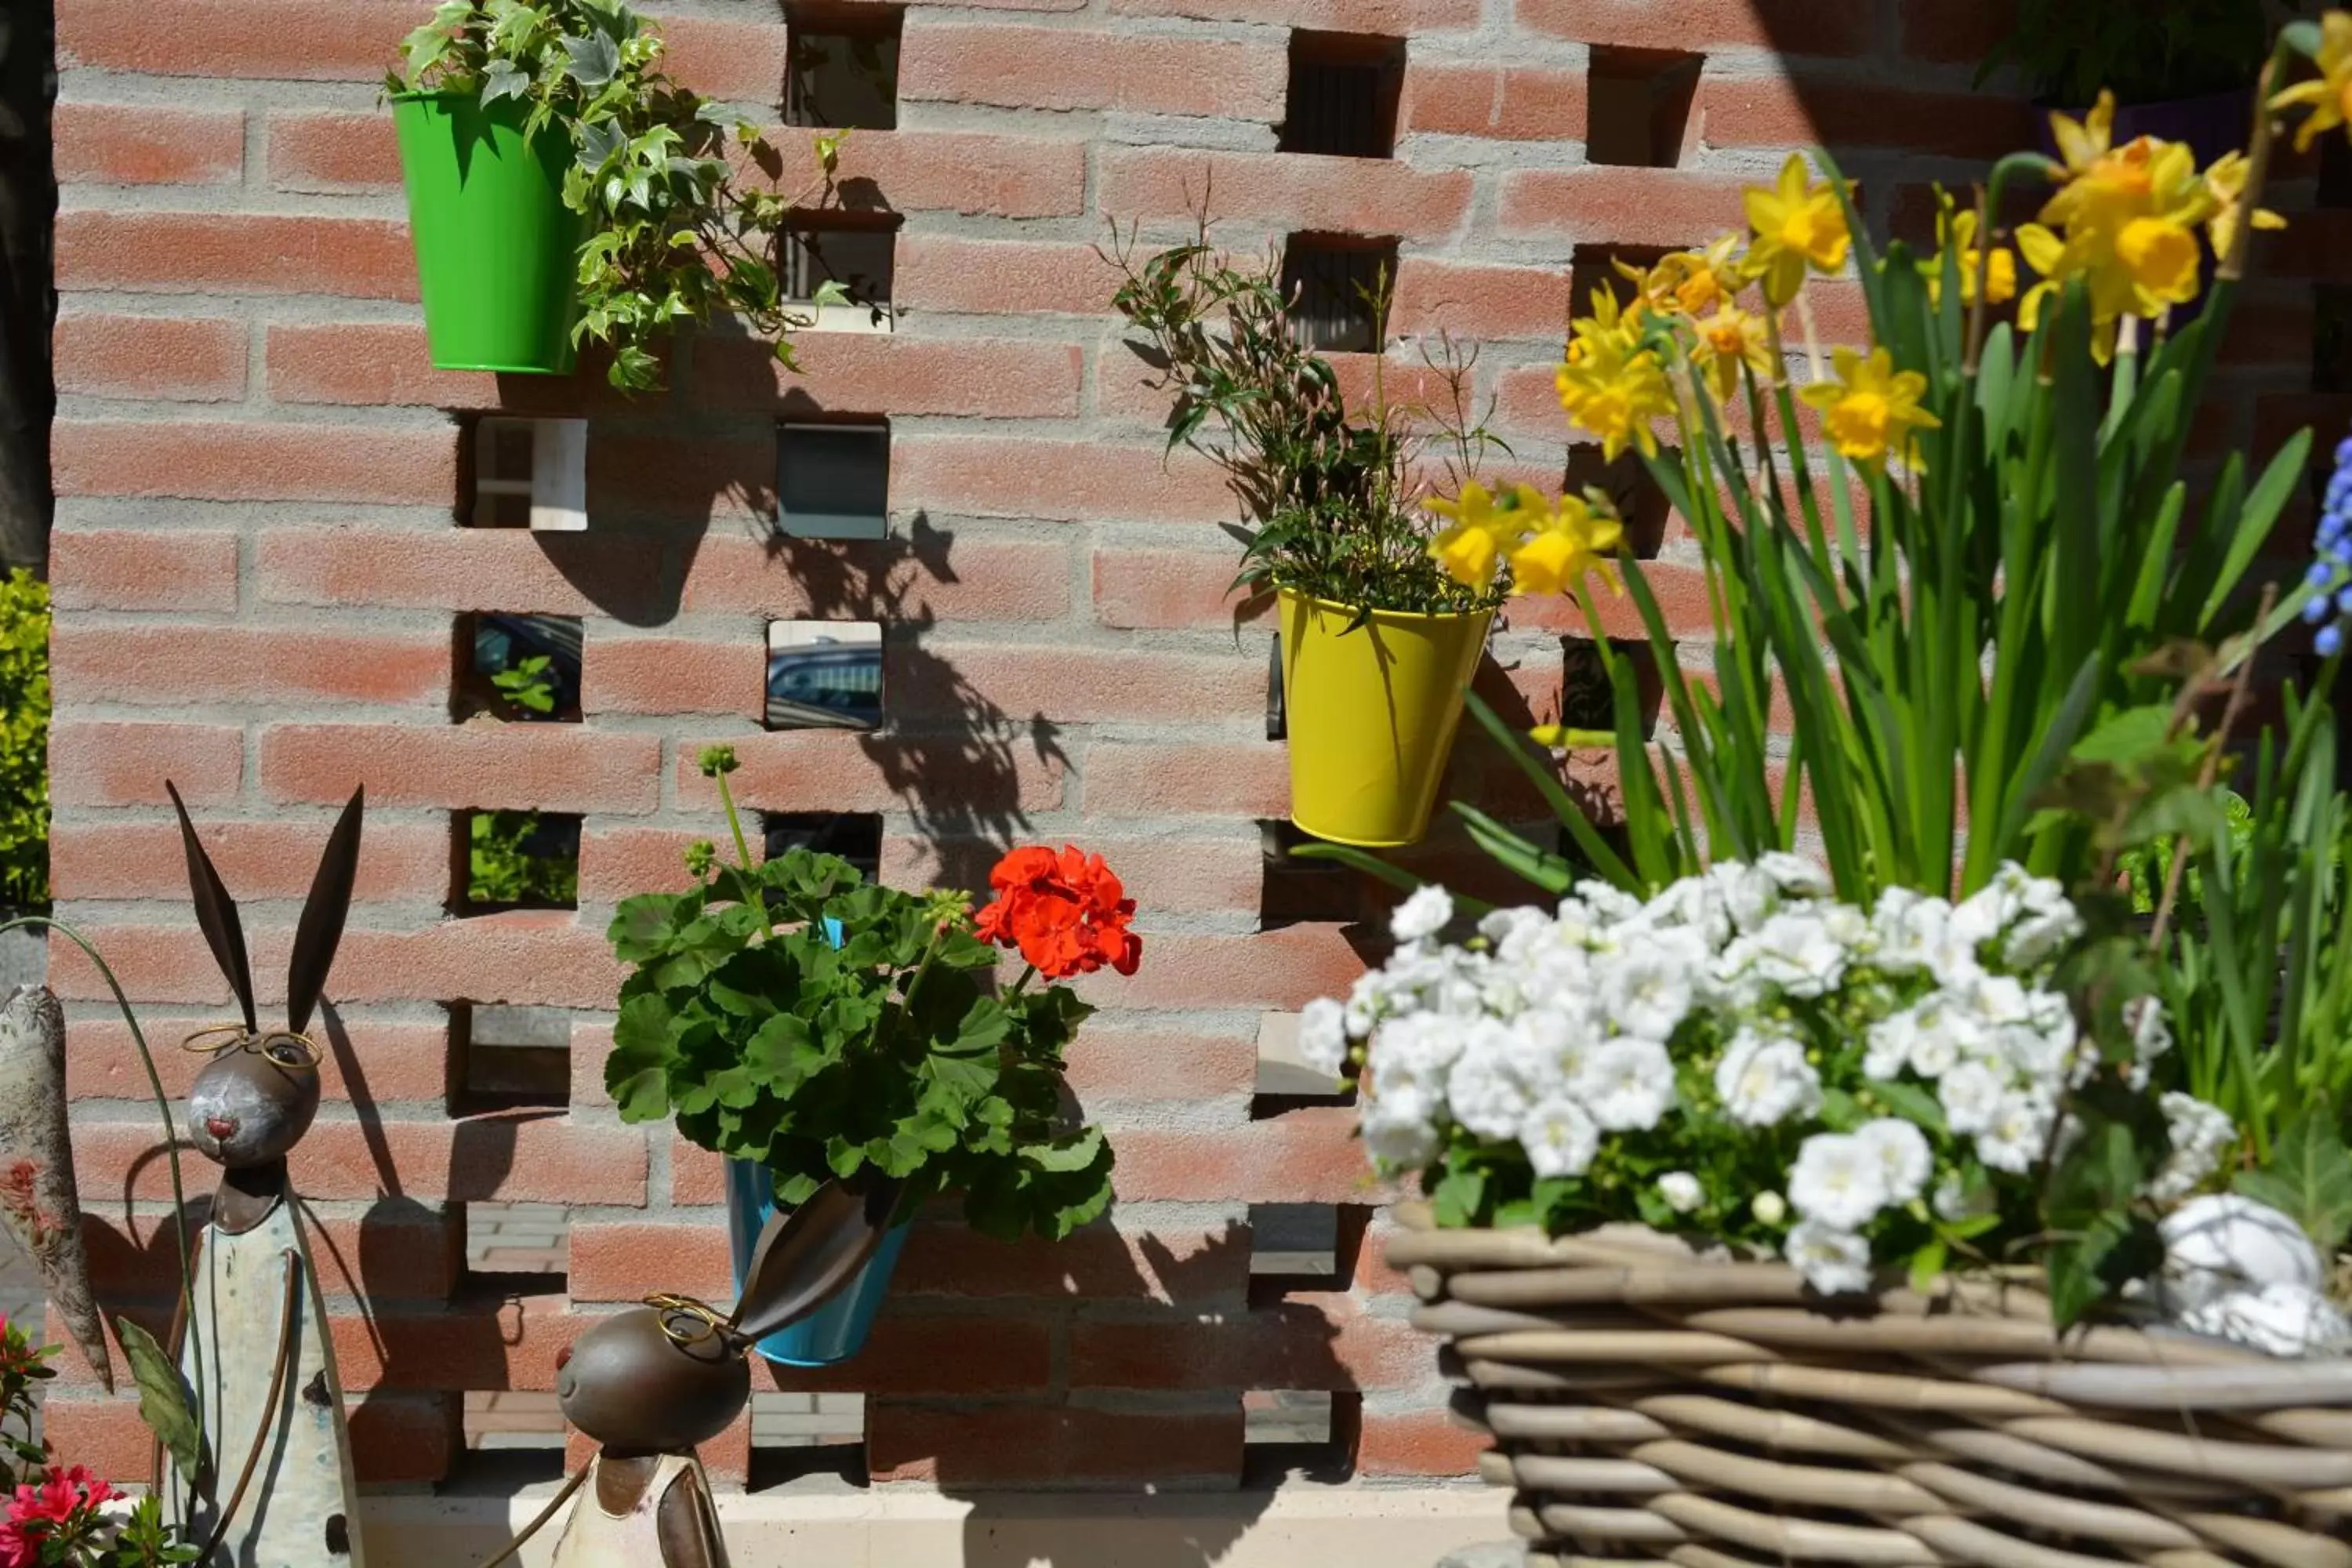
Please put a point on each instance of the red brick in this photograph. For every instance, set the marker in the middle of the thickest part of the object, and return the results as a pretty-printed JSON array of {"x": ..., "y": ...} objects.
[
  {"x": 1478, "y": 303},
  {"x": 386, "y": 363},
  {"x": 266, "y": 859},
  {"x": 1282, "y": 969},
  {"x": 1000, "y": 277},
  {"x": 1058, "y": 480},
  {"x": 1303, "y": 1156},
  {"x": 689, "y": 479},
  {"x": 697, "y": 1176},
  {"x": 114, "y": 763},
  {"x": 1620, "y": 205},
  {"x": 1787, "y": 26},
  {"x": 617, "y": 862},
  {"x": 1065, "y": 67},
  {"x": 219, "y": 460},
  {"x": 1298, "y": 191},
  {"x": 675, "y": 674},
  {"x": 1164, "y": 1264},
  {"x": 322, "y": 40},
  {"x": 739, "y": 63},
  {"x": 531, "y": 1157},
  {"x": 591, "y": 1044},
  {"x": 183, "y": 359},
  {"x": 831, "y": 770},
  {"x": 1138, "y": 1064},
  {"x": 910, "y": 1355},
  {"x": 1387, "y": 18},
  {"x": 1045, "y": 1444},
  {"x": 1212, "y": 779},
  {"x": 941, "y": 578},
  {"x": 887, "y": 372},
  {"x": 1512, "y": 103},
  {"x": 482, "y": 1342},
  {"x": 967, "y": 172},
  {"x": 1939, "y": 30},
  {"x": 626, "y": 1260},
  {"x": 1416, "y": 1443},
  {"x": 332, "y": 153},
  {"x": 400, "y": 1251},
  {"x": 550, "y": 767},
  {"x": 1314, "y": 1342},
  {"x": 1221, "y": 874},
  {"x": 104, "y": 1434},
  {"x": 1101, "y": 685},
  {"x": 405, "y": 1438},
  {"x": 1155, "y": 589},
  {"x": 512, "y": 570},
  {"x": 389, "y": 1062},
  {"x": 148, "y": 144},
  {"x": 126, "y": 569},
  {"x": 1775, "y": 111},
  {"x": 171, "y": 664},
  {"x": 235, "y": 253}
]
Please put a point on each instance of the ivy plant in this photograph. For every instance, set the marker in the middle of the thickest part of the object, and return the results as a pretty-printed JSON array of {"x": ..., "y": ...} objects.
[
  {"x": 24, "y": 742},
  {"x": 793, "y": 1014},
  {"x": 677, "y": 230}
]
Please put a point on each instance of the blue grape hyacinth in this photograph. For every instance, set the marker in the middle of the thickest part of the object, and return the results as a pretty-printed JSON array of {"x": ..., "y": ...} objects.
[{"x": 2330, "y": 607}]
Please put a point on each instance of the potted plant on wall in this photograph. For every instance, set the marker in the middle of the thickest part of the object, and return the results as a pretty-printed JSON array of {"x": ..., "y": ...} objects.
[
  {"x": 1379, "y": 639},
  {"x": 562, "y": 188},
  {"x": 812, "y": 1027}
]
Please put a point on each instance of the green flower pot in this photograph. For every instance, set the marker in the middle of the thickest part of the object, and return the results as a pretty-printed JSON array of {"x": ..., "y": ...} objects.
[{"x": 497, "y": 250}]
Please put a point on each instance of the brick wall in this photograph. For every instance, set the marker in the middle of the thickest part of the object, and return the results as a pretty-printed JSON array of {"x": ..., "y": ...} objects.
[{"x": 259, "y": 578}]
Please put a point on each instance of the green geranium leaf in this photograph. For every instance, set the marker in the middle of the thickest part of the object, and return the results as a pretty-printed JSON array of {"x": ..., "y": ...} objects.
[
  {"x": 636, "y": 1070},
  {"x": 2308, "y": 1179}
]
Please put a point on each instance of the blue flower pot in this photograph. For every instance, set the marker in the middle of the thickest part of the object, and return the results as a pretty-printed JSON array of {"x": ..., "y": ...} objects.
[{"x": 835, "y": 1331}]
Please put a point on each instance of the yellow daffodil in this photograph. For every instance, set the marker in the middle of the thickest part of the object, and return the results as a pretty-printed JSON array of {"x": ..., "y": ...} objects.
[
  {"x": 2330, "y": 94},
  {"x": 2084, "y": 142},
  {"x": 1958, "y": 231},
  {"x": 1797, "y": 224},
  {"x": 2126, "y": 220},
  {"x": 1608, "y": 385},
  {"x": 1565, "y": 545},
  {"x": 1872, "y": 409},
  {"x": 1482, "y": 529},
  {"x": 1692, "y": 282},
  {"x": 1728, "y": 340},
  {"x": 2225, "y": 181}
]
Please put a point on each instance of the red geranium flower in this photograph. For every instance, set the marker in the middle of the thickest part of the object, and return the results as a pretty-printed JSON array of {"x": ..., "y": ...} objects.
[{"x": 1067, "y": 912}]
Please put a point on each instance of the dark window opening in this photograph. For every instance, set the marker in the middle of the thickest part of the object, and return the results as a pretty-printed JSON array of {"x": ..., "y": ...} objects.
[
  {"x": 855, "y": 835},
  {"x": 1637, "y": 106},
  {"x": 843, "y": 69},
  {"x": 833, "y": 481},
  {"x": 1342, "y": 101},
  {"x": 520, "y": 668},
  {"x": 516, "y": 860},
  {"x": 858, "y": 251},
  {"x": 1337, "y": 287}
]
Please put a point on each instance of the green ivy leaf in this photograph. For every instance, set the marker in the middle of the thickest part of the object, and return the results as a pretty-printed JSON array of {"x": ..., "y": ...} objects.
[{"x": 593, "y": 60}]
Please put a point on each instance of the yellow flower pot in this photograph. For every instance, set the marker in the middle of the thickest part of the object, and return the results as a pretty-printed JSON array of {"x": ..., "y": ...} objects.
[{"x": 1372, "y": 714}]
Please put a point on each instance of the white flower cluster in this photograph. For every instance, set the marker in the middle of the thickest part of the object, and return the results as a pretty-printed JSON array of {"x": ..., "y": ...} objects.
[{"x": 1557, "y": 1031}]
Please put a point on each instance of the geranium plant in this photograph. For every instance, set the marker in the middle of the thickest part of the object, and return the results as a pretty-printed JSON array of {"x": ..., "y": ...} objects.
[
  {"x": 54, "y": 1513},
  {"x": 793, "y": 1014},
  {"x": 678, "y": 227}
]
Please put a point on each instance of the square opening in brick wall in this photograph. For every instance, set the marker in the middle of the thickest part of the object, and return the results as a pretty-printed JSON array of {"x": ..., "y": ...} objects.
[
  {"x": 797, "y": 1434},
  {"x": 1342, "y": 98},
  {"x": 855, "y": 835},
  {"x": 1637, "y": 106},
  {"x": 858, "y": 251},
  {"x": 825, "y": 675},
  {"x": 505, "y": 1058},
  {"x": 522, "y": 670},
  {"x": 833, "y": 480},
  {"x": 1337, "y": 286},
  {"x": 843, "y": 69},
  {"x": 1307, "y": 1432},
  {"x": 523, "y": 473},
  {"x": 516, "y": 860}
]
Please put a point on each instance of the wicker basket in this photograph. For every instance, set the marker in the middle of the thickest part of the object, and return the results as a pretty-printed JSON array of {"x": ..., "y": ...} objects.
[{"x": 1649, "y": 1408}]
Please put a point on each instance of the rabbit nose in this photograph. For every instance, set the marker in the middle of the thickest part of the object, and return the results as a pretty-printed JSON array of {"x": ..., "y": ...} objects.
[
  {"x": 563, "y": 1358},
  {"x": 222, "y": 1128}
]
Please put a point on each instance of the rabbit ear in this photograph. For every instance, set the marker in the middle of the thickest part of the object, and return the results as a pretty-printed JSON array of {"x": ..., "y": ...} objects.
[
  {"x": 322, "y": 915},
  {"x": 807, "y": 1256},
  {"x": 215, "y": 913}
]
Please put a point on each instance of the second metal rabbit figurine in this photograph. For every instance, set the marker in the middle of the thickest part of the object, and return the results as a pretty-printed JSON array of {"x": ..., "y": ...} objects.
[
  {"x": 651, "y": 1383},
  {"x": 274, "y": 1486}
]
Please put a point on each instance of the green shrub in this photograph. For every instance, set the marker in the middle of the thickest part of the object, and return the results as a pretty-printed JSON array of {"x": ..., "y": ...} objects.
[{"x": 24, "y": 742}]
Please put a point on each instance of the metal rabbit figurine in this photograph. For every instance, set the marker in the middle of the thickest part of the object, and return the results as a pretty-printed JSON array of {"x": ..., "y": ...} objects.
[
  {"x": 274, "y": 1489},
  {"x": 651, "y": 1384}
]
